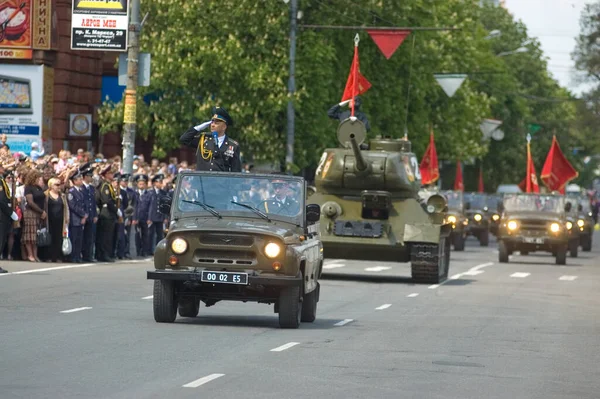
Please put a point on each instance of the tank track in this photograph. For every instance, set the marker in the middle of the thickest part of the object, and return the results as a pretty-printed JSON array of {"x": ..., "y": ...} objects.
[{"x": 426, "y": 260}]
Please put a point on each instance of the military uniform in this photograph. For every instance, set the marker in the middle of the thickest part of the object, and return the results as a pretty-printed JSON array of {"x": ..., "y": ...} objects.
[
  {"x": 129, "y": 209},
  {"x": 6, "y": 215},
  {"x": 107, "y": 203},
  {"x": 140, "y": 216},
  {"x": 156, "y": 219},
  {"x": 120, "y": 236},
  {"x": 214, "y": 153},
  {"x": 89, "y": 229},
  {"x": 78, "y": 212}
]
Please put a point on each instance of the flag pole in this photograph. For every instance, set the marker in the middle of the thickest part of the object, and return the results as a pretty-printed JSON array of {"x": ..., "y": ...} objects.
[
  {"x": 355, "y": 72},
  {"x": 528, "y": 182}
]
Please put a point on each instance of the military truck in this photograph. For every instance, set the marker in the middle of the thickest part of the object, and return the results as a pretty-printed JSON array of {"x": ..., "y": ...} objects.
[
  {"x": 476, "y": 210},
  {"x": 585, "y": 223},
  {"x": 239, "y": 237},
  {"x": 457, "y": 219},
  {"x": 533, "y": 222},
  {"x": 494, "y": 211},
  {"x": 370, "y": 208}
]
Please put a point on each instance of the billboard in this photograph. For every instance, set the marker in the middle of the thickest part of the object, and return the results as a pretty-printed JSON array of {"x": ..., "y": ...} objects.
[
  {"x": 15, "y": 29},
  {"x": 21, "y": 105},
  {"x": 99, "y": 25}
]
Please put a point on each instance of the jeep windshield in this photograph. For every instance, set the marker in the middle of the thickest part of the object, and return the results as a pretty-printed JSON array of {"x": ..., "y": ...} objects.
[
  {"x": 477, "y": 201},
  {"x": 455, "y": 200},
  {"x": 258, "y": 196},
  {"x": 492, "y": 202},
  {"x": 533, "y": 203}
]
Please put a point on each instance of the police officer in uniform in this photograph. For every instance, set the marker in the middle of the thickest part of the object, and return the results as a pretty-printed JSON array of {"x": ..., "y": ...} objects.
[
  {"x": 214, "y": 151},
  {"x": 107, "y": 203},
  {"x": 89, "y": 229},
  {"x": 140, "y": 215},
  {"x": 7, "y": 215},
  {"x": 128, "y": 210},
  {"x": 119, "y": 237},
  {"x": 156, "y": 219},
  {"x": 78, "y": 216}
]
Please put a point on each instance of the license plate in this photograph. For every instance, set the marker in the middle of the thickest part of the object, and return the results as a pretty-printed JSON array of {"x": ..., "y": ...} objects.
[
  {"x": 224, "y": 277},
  {"x": 532, "y": 240}
]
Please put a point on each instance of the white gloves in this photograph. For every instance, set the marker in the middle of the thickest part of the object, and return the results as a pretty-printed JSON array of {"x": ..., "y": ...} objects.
[
  {"x": 344, "y": 103},
  {"x": 119, "y": 213},
  {"x": 202, "y": 126},
  {"x": 14, "y": 216},
  {"x": 353, "y": 118}
]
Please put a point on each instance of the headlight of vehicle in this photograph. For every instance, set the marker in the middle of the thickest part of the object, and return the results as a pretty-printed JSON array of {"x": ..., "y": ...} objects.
[
  {"x": 477, "y": 217},
  {"x": 272, "y": 250},
  {"x": 451, "y": 219},
  {"x": 179, "y": 246},
  {"x": 495, "y": 217},
  {"x": 512, "y": 225},
  {"x": 580, "y": 222},
  {"x": 569, "y": 225},
  {"x": 555, "y": 227}
]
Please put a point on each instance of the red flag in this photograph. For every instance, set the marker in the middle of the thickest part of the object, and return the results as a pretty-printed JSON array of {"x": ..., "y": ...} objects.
[
  {"x": 557, "y": 170},
  {"x": 388, "y": 40},
  {"x": 481, "y": 188},
  {"x": 356, "y": 84},
  {"x": 530, "y": 183},
  {"x": 429, "y": 167},
  {"x": 458, "y": 179}
]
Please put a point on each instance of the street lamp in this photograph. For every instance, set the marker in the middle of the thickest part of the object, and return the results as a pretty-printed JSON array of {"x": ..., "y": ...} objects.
[
  {"x": 494, "y": 33},
  {"x": 519, "y": 50}
]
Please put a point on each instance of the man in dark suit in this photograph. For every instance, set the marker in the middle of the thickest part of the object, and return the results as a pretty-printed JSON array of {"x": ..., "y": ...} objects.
[
  {"x": 7, "y": 214},
  {"x": 215, "y": 151},
  {"x": 77, "y": 217},
  {"x": 336, "y": 112},
  {"x": 109, "y": 213},
  {"x": 140, "y": 215},
  {"x": 89, "y": 229},
  {"x": 156, "y": 219}
]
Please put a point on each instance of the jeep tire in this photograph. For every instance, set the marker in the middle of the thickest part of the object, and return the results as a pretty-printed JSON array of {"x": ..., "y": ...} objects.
[
  {"x": 290, "y": 307},
  {"x": 189, "y": 307},
  {"x": 309, "y": 305},
  {"x": 586, "y": 245},
  {"x": 561, "y": 255},
  {"x": 484, "y": 238},
  {"x": 458, "y": 241},
  {"x": 502, "y": 252},
  {"x": 164, "y": 301},
  {"x": 573, "y": 248}
]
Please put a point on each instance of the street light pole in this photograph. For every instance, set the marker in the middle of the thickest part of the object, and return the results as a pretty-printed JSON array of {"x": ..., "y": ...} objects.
[
  {"x": 289, "y": 157},
  {"x": 129, "y": 114}
]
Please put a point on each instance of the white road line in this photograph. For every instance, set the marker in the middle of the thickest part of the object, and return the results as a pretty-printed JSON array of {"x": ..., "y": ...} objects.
[
  {"x": 377, "y": 268},
  {"x": 520, "y": 275},
  {"x": 567, "y": 278},
  {"x": 148, "y": 297},
  {"x": 471, "y": 272},
  {"x": 433, "y": 287},
  {"x": 414, "y": 294},
  {"x": 456, "y": 276},
  {"x": 75, "y": 310},
  {"x": 284, "y": 347},
  {"x": 343, "y": 322},
  {"x": 331, "y": 261},
  {"x": 49, "y": 269},
  {"x": 202, "y": 381},
  {"x": 333, "y": 266},
  {"x": 387, "y": 305}
]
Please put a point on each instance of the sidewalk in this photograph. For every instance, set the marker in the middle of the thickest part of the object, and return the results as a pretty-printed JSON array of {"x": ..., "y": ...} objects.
[{"x": 25, "y": 267}]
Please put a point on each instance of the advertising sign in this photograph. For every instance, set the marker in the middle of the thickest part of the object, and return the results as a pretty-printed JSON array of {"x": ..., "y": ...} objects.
[
  {"x": 15, "y": 29},
  {"x": 21, "y": 105},
  {"x": 99, "y": 25},
  {"x": 80, "y": 125},
  {"x": 45, "y": 23}
]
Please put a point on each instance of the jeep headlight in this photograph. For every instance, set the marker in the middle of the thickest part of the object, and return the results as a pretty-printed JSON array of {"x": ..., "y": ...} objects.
[
  {"x": 569, "y": 225},
  {"x": 512, "y": 225},
  {"x": 179, "y": 246},
  {"x": 272, "y": 250},
  {"x": 495, "y": 217},
  {"x": 580, "y": 222},
  {"x": 451, "y": 219},
  {"x": 555, "y": 227},
  {"x": 477, "y": 217}
]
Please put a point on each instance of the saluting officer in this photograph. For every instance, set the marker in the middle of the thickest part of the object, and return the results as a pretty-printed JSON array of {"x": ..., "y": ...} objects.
[
  {"x": 7, "y": 214},
  {"x": 140, "y": 215},
  {"x": 78, "y": 216},
  {"x": 215, "y": 151},
  {"x": 107, "y": 203},
  {"x": 129, "y": 198},
  {"x": 89, "y": 229},
  {"x": 156, "y": 219},
  {"x": 119, "y": 237}
]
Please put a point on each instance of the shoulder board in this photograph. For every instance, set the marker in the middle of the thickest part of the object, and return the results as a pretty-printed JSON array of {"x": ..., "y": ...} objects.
[{"x": 233, "y": 141}]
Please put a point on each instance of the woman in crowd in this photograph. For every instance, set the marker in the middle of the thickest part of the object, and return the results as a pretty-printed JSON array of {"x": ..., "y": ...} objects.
[
  {"x": 58, "y": 216},
  {"x": 34, "y": 213}
]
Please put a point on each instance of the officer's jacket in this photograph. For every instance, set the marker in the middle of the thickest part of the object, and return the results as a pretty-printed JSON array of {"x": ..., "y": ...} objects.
[
  {"x": 210, "y": 158},
  {"x": 77, "y": 206},
  {"x": 5, "y": 205},
  {"x": 107, "y": 201},
  {"x": 142, "y": 206},
  {"x": 153, "y": 214},
  {"x": 89, "y": 193}
]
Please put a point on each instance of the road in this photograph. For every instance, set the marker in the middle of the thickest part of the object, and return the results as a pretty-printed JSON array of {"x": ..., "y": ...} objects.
[{"x": 527, "y": 329}]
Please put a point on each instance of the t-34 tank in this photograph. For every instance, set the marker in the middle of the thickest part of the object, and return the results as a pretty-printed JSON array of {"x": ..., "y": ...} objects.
[{"x": 371, "y": 208}]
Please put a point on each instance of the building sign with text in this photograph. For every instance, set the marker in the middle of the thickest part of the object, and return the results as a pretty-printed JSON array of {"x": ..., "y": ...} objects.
[
  {"x": 99, "y": 25},
  {"x": 15, "y": 29}
]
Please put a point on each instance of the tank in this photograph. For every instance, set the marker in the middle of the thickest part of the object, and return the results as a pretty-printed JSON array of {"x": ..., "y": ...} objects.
[{"x": 372, "y": 207}]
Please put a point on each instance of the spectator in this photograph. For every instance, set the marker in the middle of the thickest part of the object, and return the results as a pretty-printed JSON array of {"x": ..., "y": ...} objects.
[
  {"x": 35, "y": 153},
  {"x": 57, "y": 218},
  {"x": 34, "y": 213}
]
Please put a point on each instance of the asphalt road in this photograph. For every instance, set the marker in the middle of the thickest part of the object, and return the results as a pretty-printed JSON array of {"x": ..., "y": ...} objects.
[{"x": 527, "y": 329}]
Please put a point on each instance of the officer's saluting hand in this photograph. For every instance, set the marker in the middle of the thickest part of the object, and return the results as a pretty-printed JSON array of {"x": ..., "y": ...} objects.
[{"x": 215, "y": 151}]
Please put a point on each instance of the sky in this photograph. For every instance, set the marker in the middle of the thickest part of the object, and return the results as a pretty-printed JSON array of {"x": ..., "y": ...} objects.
[{"x": 556, "y": 24}]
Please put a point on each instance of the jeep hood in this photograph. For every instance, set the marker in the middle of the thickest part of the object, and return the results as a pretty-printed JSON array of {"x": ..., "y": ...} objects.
[
  {"x": 252, "y": 226},
  {"x": 551, "y": 217}
]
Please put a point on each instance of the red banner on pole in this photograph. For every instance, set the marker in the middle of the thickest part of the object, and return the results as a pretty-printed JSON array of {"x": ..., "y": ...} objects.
[
  {"x": 458, "y": 179},
  {"x": 429, "y": 168},
  {"x": 388, "y": 40},
  {"x": 530, "y": 183},
  {"x": 481, "y": 188},
  {"x": 356, "y": 84},
  {"x": 557, "y": 170}
]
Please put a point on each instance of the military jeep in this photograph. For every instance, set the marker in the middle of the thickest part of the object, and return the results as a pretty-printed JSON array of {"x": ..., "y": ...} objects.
[
  {"x": 476, "y": 209},
  {"x": 584, "y": 220},
  {"x": 239, "y": 237},
  {"x": 533, "y": 222},
  {"x": 455, "y": 216}
]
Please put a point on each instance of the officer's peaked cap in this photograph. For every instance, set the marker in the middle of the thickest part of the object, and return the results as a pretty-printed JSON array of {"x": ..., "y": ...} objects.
[
  {"x": 158, "y": 177},
  {"x": 221, "y": 114},
  {"x": 138, "y": 178}
]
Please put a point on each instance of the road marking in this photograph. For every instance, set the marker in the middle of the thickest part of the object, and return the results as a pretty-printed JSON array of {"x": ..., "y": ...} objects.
[
  {"x": 75, "y": 310},
  {"x": 414, "y": 294},
  {"x": 475, "y": 270},
  {"x": 343, "y": 322},
  {"x": 148, "y": 297},
  {"x": 387, "y": 305},
  {"x": 49, "y": 269},
  {"x": 284, "y": 347},
  {"x": 473, "y": 273},
  {"x": 456, "y": 276},
  {"x": 202, "y": 381},
  {"x": 333, "y": 266},
  {"x": 377, "y": 268},
  {"x": 567, "y": 278},
  {"x": 520, "y": 275},
  {"x": 433, "y": 287}
]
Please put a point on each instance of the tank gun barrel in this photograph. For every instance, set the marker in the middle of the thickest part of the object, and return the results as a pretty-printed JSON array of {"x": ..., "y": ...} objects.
[{"x": 360, "y": 163}]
